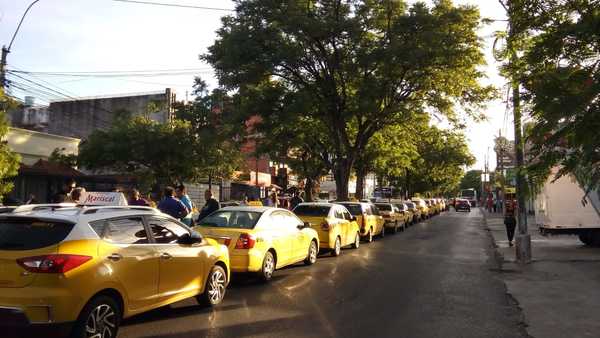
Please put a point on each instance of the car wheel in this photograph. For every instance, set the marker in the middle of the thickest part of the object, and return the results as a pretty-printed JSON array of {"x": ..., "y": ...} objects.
[
  {"x": 268, "y": 267},
  {"x": 216, "y": 284},
  {"x": 356, "y": 243},
  {"x": 311, "y": 258},
  {"x": 370, "y": 235},
  {"x": 337, "y": 247},
  {"x": 382, "y": 234},
  {"x": 99, "y": 318}
]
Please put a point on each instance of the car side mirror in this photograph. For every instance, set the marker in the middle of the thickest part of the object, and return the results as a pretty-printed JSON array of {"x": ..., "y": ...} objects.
[
  {"x": 304, "y": 225},
  {"x": 190, "y": 238}
]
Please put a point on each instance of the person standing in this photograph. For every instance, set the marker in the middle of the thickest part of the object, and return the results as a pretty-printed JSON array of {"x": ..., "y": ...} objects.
[
  {"x": 171, "y": 205},
  {"x": 136, "y": 199},
  {"x": 76, "y": 194},
  {"x": 185, "y": 199},
  {"x": 510, "y": 220},
  {"x": 295, "y": 200},
  {"x": 210, "y": 206}
]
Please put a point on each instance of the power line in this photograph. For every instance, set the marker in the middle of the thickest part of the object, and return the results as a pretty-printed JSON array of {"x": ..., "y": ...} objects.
[
  {"x": 177, "y": 5},
  {"x": 176, "y": 70}
]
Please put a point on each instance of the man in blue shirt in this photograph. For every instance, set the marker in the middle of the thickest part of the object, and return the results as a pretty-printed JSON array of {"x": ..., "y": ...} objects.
[
  {"x": 185, "y": 199},
  {"x": 172, "y": 206}
]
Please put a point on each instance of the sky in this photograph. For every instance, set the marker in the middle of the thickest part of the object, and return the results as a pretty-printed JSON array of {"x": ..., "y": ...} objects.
[{"x": 107, "y": 35}]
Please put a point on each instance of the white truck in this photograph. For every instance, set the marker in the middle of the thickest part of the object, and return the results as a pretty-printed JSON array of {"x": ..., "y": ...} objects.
[{"x": 559, "y": 209}]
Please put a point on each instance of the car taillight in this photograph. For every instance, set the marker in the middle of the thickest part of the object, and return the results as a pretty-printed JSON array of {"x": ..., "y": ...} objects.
[
  {"x": 325, "y": 226},
  {"x": 245, "y": 241},
  {"x": 52, "y": 263}
]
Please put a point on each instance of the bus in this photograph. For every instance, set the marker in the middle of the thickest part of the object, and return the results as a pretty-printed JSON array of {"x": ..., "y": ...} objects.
[{"x": 470, "y": 195}]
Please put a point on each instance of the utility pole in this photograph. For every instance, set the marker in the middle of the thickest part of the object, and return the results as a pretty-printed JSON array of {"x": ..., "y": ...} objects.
[
  {"x": 522, "y": 239},
  {"x": 502, "y": 179},
  {"x": 6, "y": 50}
]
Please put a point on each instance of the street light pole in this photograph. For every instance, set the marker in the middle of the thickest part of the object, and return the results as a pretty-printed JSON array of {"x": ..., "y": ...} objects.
[{"x": 6, "y": 50}]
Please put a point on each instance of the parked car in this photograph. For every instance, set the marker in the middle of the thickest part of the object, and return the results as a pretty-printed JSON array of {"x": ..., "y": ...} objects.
[
  {"x": 393, "y": 217},
  {"x": 334, "y": 224},
  {"x": 82, "y": 270},
  {"x": 415, "y": 212},
  {"x": 368, "y": 218},
  {"x": 462, "y": 204},
  {"x": 422, "y": 206},
  {"x": 261, "y": 239},
  {"x": 407, "y": 213}
]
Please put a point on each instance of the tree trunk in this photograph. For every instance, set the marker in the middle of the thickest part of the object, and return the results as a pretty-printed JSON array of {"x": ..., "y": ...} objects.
[
  {"x": 361, "y": 174},
  {"x": 309, "y": 187},
  {"x": 408, "y": 188},
  {"x": 341, "y": 174}
]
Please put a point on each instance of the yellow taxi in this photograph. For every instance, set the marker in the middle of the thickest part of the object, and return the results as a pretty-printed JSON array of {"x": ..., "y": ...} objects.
[
  {"x": 422, "y": 206},
  {"x": 368, "y": 218},
  {"x": 80, "y": 270},
  {"x": 261, "y": 239},
  {"x": 334, "y": 224},
  {"x": 414, "y": 211},
  {"x": 406, "y": 213},
  {"x": 394, "y": 218}
]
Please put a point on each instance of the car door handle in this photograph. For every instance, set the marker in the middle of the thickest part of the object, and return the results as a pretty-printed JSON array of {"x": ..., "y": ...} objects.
[
  {"x": 165, "y": 255},
  {"x": 115, "y": 257}
]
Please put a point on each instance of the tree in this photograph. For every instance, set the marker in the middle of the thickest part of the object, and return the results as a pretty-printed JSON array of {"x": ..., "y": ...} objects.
[
  {"x": 562, "y": 81},
  {"x": 213, "y": 124},
  {"x": 153, "y": 152},
  {"x": 388, "y": 154},
  {"x": 472, "y": 180},
  {"x": 58, "y": 156},
  {"x": 439, "y": 167},
  {"x": 9, "y": 160},
  {"x": 364, "y": 63}
]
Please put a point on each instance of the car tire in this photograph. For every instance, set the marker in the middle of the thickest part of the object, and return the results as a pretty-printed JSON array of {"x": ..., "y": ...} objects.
[
  {"x": 216, "y": 285},
  {"x": 369, "y": 236},
  {"x": 102, "y": 307},
  {"x": 337, "y": 247},
  {"x": 268, "y": 267},
  {"x": 356, "y": 243},
  {"x": 313, "y": 250}
]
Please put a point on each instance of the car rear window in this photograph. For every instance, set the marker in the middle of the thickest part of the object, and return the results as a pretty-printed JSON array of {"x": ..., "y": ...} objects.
[
  {"x": 410, "y": 205},
  {"x": 384, "y": 207},
  {"x": 355, "y": 209},
  {"x": 236, "y": 219},
  {"x": 312, "y": 210},
  {"x": 31, "y": 234}
]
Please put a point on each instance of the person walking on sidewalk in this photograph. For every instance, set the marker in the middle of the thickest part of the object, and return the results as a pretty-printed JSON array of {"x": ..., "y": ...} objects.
[{"x": 510, "y": 221}]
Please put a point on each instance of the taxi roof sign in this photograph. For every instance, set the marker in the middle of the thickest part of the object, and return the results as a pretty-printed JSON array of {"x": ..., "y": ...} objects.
[{"x": 103, "y": 198}]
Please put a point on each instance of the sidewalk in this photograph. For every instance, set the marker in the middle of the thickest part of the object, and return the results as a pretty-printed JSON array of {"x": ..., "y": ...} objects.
[{"x": 559, "y": 292}]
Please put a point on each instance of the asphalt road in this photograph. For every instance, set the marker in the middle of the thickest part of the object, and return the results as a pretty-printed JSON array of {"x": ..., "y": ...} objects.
[{"x": 436, "y": 279}]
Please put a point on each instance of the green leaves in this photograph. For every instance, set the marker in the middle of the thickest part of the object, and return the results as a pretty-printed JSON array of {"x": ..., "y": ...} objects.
[
  {"x": 9, "y": 161},
  {"x": 360, "y": 64}
]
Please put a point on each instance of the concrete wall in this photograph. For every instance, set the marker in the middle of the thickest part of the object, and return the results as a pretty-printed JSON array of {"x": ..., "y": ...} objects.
[
  {"x": 33, "y": 145},
  {"x": 79, "y": 118}
]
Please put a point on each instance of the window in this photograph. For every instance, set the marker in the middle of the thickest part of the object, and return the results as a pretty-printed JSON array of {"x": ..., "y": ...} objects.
[
  {"x": 368, "y": 210},
  {"x": 98, "y": 227},
  {"x": 31, "y": 233},
  {"x": 338, "y": 213},
  {"x": 347, "y": 215},
  {"x": 283, "y": 219},
  {"x": 384, "y": 207},
  {"x": 231, "y": 219},
  {"x": 355, "y": 209},
  {"x": 165, "y": 231},
  {"x": 374, "y": 211},
  {"x": 312, "y": 210},
  {"x": 126, "y": 231}
]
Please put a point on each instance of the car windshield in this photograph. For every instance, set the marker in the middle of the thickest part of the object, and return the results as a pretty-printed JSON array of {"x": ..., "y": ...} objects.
[
  {"x": 384, "y": 207},
  {"x": 31, "y": 233},
  {"x": 410, "y": 205},
  {"x": 312, "y": 210},
  {"x": 231, "y": 219},
  {"x": 354, "y": 209}
]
